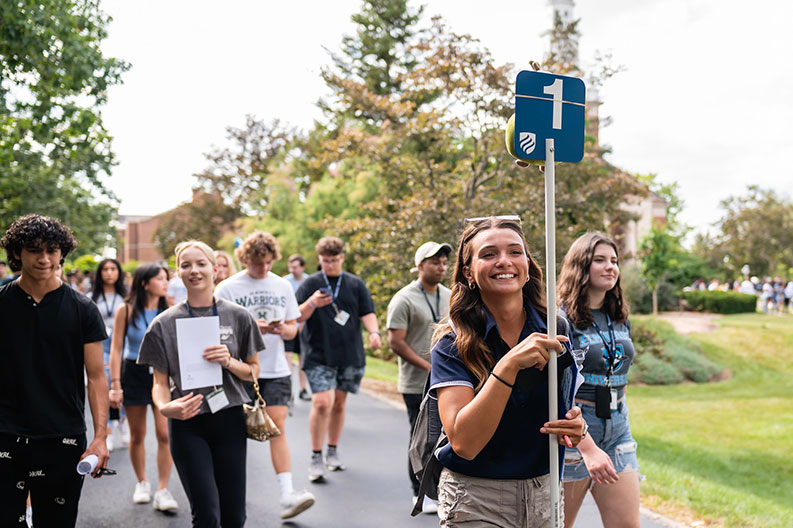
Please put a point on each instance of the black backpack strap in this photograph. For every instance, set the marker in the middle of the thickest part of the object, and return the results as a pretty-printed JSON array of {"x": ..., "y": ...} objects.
[{"x": 429, "y": 479}]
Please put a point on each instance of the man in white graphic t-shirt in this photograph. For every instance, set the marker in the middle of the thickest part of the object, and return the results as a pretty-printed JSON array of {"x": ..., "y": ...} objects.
[{"x": 271, "y": 301}]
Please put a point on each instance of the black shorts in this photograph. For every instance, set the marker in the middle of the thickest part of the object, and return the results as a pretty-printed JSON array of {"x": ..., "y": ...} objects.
[
  {"x": 275, "y": 391},
  {"x": 136, "y": 382},
  {"x": 293, "y": 345}
]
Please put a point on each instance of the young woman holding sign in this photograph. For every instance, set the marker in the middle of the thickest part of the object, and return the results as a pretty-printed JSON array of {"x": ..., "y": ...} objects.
[
  {"x": 605, "y": 461},
  {"x": 488, "y": 371},
  {"x": 207, "y": 425}
]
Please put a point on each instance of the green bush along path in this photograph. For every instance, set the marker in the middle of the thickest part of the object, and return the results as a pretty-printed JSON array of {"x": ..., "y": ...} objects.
[{"x": 724, "y": 450}]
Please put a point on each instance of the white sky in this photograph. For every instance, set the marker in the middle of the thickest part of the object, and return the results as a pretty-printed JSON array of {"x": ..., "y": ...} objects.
[{"x": 705, "y": 101}]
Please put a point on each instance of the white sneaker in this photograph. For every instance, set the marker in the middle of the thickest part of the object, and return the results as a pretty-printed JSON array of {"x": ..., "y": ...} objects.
[
  {"x": 332, "y": 460},
  {"x": 295, "y": 503},
  {"x": 316, "y": 468},
  {"x": 123, "y": 429},
  {"x": 109, "y": 441},
  {"x": 164, "y": 501},
  {"x": 429, "y": 506},
  {"x": 142, "y": 493}
]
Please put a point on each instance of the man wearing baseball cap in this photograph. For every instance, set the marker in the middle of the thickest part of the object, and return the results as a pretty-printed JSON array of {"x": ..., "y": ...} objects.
[{"x": 412, "y": 315}]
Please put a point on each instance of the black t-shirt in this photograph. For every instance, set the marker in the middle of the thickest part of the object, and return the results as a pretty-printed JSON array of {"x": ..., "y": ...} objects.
[
  {"x": 322, "y": 340},
  {"x": 42, "y": 391}
]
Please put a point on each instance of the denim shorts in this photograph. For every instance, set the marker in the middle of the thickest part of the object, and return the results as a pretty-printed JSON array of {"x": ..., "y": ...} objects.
[
  {"x": 612, "y": 436},
  {"x": 274, "y": 391},
  {"x": 323, "y": 378}
]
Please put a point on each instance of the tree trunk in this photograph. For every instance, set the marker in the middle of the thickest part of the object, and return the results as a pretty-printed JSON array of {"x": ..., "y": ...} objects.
[{"x": 655, "y": 301}]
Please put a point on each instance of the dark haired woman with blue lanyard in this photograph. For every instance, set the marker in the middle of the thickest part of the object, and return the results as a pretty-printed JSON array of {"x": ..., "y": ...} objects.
[
  {"x": 108, "y": 295},
  {"x": 131, "y": 383},
  {"x": 605, "y": 462}
]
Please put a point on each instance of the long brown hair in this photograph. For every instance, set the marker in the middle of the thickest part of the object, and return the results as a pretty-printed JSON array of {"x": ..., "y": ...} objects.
[
  {"x": 574, "y": 282},
  {"x": 466, "y": 308}
]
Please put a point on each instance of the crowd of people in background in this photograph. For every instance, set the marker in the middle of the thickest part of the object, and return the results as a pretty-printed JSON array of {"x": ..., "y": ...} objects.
[
  {"x": 478, "y": 347},
  {"x": 773, "y": 293}
]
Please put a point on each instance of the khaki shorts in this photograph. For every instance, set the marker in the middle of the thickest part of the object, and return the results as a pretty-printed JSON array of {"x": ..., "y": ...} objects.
[{"x": 473, "y": 502}]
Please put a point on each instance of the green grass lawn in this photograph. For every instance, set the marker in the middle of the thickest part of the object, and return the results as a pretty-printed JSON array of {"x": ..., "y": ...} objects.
[
  {"x": 724, "y": 450},
  {"x": 381, "y": 370}
]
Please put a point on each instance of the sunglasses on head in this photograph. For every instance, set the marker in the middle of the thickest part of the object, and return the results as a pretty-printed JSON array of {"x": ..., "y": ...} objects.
[{"x": 512, "y": 218}]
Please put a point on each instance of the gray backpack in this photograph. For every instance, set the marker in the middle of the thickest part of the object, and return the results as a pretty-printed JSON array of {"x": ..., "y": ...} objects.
[{"x": 427, "y": 438}]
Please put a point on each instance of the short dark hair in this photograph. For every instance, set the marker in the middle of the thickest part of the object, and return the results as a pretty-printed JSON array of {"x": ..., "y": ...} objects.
[
  {"x": 297, "y": 258},
  {"x": 33, "y": 230}
]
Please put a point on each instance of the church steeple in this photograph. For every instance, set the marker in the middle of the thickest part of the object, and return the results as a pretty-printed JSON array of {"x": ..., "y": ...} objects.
[
  {"x": 564, "y": 8},
  {"x": 564, "y": 47}
]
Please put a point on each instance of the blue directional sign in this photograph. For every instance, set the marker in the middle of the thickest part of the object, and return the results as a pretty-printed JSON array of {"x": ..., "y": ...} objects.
[{"x": 549, "y": 106}]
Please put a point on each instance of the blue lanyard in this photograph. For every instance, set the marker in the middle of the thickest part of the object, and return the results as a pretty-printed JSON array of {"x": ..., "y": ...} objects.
[
  {"x": 214, "y": 308},
  {"x": 338, "y": 285},
  {"x": 110, "y": 310},
  {"x": 435, "y": 313},
  {"x": 611, "y": 346}
]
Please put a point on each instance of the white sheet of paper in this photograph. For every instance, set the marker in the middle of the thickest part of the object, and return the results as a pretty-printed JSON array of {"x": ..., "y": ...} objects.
[{"x": 193, "y": 336}]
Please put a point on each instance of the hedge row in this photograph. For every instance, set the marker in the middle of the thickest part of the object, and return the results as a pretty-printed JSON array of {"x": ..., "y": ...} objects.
[{"x": 720, "y": 301}]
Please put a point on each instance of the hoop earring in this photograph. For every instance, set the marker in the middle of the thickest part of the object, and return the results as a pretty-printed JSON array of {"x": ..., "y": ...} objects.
[
  {"x": 528, "y": 278},
  {"x": 472, "y": 286}
]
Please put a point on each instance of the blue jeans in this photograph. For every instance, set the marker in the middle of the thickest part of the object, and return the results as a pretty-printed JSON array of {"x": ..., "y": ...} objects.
[{"x": 612, "y": 435}]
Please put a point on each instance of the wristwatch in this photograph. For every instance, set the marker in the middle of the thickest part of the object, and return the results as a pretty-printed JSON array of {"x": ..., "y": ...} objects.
[{"x": 586, "y": 430}]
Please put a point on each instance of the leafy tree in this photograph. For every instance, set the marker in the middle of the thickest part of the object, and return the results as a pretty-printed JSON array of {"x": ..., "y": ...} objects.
[
  {"x": 239, "y": 173},
  {"x": 85, "y": 263},
  {"x": 54, "y": 149},
  {"x": 377, "y": 57},
  {"x": 205, "y": 218},
  {"x": 756, "y": 229},
  {"x": 657, "y": 251}
]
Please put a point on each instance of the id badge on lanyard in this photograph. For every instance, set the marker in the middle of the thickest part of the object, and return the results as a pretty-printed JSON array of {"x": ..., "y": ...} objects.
[
  {"x": 342, "y": 316},
  {"x": 217, "y": 400}
]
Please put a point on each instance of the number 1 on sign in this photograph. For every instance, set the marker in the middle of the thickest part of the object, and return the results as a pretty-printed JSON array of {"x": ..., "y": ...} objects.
[{"x": 555, "y": 90}]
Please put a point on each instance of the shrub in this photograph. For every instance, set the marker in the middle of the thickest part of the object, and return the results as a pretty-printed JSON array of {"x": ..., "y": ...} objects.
[
  {"x": 655, "y": 371},
  {"x": 641, "y": 298},
  {"x": 721, "y": 302},
  {"x": 664, "y": 357}
]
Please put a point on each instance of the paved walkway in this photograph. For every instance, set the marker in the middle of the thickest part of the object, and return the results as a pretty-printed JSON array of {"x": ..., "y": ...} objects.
[{"x": 373, "y": 491}]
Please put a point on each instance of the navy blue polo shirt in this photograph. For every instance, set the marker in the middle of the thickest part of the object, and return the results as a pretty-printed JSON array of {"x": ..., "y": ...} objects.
[{"x": 517, "y": 449}]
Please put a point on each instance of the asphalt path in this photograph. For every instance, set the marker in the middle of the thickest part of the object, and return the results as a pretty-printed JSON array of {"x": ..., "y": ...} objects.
[{"x": 372, "y": 491}]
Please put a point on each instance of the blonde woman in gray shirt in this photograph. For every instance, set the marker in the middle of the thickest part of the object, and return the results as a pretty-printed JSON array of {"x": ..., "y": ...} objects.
[{"x": 202, "y": 429}]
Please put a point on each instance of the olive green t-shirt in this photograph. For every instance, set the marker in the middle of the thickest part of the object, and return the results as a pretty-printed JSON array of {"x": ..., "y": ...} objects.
[{"x": 411, "y": 309}]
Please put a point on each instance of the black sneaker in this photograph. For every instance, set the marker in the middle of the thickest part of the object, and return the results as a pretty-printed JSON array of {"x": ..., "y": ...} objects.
[{"x": 304, "y": 395}]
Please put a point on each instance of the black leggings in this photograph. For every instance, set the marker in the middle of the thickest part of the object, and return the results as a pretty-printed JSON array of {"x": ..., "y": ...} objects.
[
  {"x": 209, "y": 452},
  {"x": 45, "y": 467}
]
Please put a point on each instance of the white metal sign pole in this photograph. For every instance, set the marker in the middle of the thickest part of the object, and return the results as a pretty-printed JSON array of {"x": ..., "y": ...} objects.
[{"x": 550, "y": 280}]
